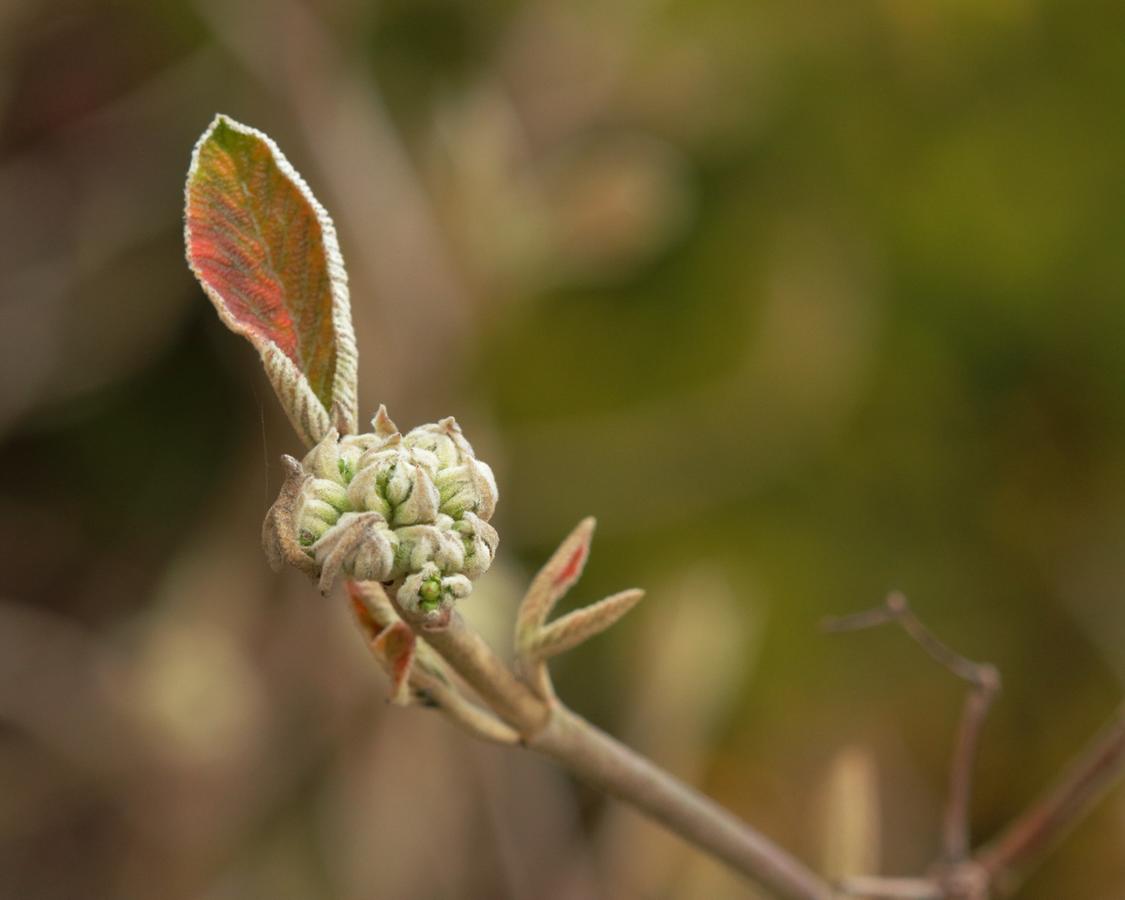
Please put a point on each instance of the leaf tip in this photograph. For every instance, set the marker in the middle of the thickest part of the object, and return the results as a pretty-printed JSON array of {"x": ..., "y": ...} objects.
[
  {"x": 221, "y": 125},
  {"x": 579, "y": 542},
  {"x": 382, "y": 424}
]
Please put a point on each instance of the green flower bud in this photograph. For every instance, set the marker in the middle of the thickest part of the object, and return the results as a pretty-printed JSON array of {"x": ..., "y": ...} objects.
[
  {"x": 464, "y": 483},
  {"x": 467, "y": 488},
  {"x": 360, "y": 545},
  {"x": 322, "y": 461},
  {"x": 479, "y": 541},
  {"x": 368, "y": 489},
  {"x": 438, "y": 544},
  {"x": 330, "y": 492},
  {"x": 439, "y": 440},
  {"x": 388, "y": 508},
  {"x": 430, "y": 592}
]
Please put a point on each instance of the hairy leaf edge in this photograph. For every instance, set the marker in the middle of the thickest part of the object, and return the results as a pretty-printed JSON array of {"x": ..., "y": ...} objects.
[{"x": 305, "y": 410}]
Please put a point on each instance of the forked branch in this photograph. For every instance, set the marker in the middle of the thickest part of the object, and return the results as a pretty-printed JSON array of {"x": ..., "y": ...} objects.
[
  {"x": 984, "y": 684},
  {"x": 997, "y": 868}
]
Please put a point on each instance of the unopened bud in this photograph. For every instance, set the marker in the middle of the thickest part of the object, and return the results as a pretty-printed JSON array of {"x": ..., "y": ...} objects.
[
  {"x": 383, "y": 507},
  {"x": 429, "y": 591}
]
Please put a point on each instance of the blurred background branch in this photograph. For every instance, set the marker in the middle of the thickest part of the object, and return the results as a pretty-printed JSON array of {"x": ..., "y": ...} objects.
[
  {"x": 1022, "y": 845},
  {"x": 984, "y": 684}
]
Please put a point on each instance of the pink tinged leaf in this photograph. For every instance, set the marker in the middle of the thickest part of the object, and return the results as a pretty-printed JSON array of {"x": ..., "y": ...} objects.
[
  {"x": 362, "y": 613},
  {"x": 394, "y": 647},
  {"x": 265, "y": 252},
  {"x": 370, "y": 606},
  {"x": 553, "y": 581},
  {"x": 573, "y": 567},
  {"x": 576, "y": 627}
]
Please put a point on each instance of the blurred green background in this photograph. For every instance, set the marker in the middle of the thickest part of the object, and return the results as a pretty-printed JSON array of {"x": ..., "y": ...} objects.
[{"x": 804, "y": 302}]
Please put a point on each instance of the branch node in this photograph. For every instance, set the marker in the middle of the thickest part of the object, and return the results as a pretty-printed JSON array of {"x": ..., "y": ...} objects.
[{"x": 984, "y": 683}]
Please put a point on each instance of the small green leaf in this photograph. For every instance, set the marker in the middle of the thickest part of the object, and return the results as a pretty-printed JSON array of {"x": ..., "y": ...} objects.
[{"x": 265, "y": 252}]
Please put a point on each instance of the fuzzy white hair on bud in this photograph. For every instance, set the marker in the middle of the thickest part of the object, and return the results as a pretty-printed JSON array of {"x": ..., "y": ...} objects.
[{"x": 388, "y": 508}]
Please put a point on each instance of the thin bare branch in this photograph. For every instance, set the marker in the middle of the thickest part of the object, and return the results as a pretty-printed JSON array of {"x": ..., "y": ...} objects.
[
  {"x": 984, "y": 685},
  {"x": 955, "y": 822},
  {"x": 876, "y": 888},
  {"x": 896, "y": 609},
  {"x": 572, "y": 629},
  {"x": 1032, "y": 835}
]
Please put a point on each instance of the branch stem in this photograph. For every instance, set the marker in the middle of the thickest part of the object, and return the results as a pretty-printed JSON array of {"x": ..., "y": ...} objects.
[
  {"x": 471, "y": 657},
  {"x": 955, "y": 824},
  {"x": 880, "y": 888},
  {"x": 464, "y": 712},
  {"x": 1032, "y": 835},
  {"x": 605, "y": 763},
  {"x": 595, "y": 757}
]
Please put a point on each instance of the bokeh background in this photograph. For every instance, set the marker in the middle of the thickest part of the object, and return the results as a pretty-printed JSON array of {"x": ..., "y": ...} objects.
[{"x": 804, "y": 302}]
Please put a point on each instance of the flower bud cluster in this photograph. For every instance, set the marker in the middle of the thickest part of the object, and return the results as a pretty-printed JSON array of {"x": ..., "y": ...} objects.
[{"x": 411, "y": 508}]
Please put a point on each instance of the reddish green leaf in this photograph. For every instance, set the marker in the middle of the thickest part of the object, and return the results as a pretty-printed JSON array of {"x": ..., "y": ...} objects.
[
  {"x": 395, "y": 648},
  {"x": 559, "y": 574},
  {"x": 265, "y": 252}
]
